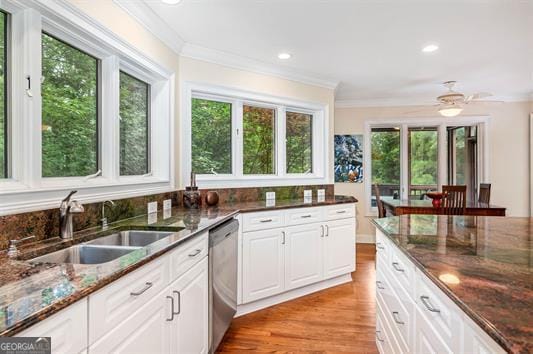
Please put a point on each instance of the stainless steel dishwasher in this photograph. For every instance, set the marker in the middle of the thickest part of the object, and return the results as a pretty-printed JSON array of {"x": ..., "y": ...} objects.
[{"x": 222, "y": 280}]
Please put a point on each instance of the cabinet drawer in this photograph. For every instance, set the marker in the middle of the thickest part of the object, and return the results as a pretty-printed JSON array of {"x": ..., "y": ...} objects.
[
  {"x": 67, "y": 328},
  {"x": 439, "y": 310},
  {"x": 402, "y": 269},
  {"x": 188, "y": 255},
  {"x": 262, "y": 221},
  {"x": 304, "y": 216},
  {"x": 341, "y": 211},
  {"x": 383, "y": 249},
  {"x": 115, "y": 303}
]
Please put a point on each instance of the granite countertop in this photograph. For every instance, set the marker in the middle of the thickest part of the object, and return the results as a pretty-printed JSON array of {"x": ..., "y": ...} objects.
[
  {"x": 30, "y": 292},
  {"x": 491, "y": 259}
]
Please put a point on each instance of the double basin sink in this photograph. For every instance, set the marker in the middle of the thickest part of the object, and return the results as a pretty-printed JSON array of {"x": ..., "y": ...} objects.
[{"x": 103, "y": 249}]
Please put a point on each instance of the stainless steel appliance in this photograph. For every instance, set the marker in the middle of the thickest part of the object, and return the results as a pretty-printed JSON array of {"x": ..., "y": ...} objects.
[{"x": 222, "y": 280}]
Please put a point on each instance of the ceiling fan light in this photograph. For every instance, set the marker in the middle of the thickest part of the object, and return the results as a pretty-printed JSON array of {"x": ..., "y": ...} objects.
[{"x": 450, "y": 111}]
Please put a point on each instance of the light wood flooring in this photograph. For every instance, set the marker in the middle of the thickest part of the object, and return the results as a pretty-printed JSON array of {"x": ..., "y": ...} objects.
[{"x": 339, "y": 319}]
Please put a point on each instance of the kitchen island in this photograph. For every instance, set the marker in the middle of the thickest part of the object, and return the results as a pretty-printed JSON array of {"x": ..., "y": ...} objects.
[{"x": 454, "y": 284}]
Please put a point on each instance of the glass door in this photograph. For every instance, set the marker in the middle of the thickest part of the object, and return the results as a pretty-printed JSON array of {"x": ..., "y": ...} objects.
[
  {"x": 386, "y": 167},
  {"x": 423, "y": 154},
  {"x": 463, "y": 159}
]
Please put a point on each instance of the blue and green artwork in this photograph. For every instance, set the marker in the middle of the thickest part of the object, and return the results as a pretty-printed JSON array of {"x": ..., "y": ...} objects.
[{"x": 349, "y": 158}]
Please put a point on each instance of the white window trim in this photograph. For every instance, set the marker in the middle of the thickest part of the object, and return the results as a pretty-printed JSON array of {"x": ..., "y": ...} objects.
[
  {"x": 26, "y": 190},
  {"x": 441, "y": 123},
  {"x": 239, "y": 97}
]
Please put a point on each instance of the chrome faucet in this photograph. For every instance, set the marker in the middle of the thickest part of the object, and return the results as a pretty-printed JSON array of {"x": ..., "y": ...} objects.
[
  {"x": 104, "y": 219},
  {"x": 66, "y": 209}
]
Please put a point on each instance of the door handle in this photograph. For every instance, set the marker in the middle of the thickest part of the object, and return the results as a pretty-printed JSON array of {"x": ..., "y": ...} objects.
[
  {"x": 377, "y": 336},
  {"x": 397, "y": 319},
  {"x": 282, "y": 237},
  {"x": 396, "y": 266},
  {"x": 327, "y": 230},
  {"x": 306, "y": 216},
  {"x": 179, "y": 303},
  {"x": 195, "y": 253},
  {"x": 378, "y": 284},
  {"x": 321, "y": 230},
  {"x": 266, "y": 220},
  {"x": 427, "y": 304},
  {"x": 171, "y": 308}
]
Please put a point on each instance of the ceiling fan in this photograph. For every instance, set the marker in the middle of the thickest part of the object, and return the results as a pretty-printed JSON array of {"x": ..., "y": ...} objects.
[{"x": 452, "y": 103}]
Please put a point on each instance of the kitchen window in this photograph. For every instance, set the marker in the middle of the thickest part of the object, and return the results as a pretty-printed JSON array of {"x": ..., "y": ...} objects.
[
  {"x": 89, "y": 110},
  {"x": 238, "y": 138},
  {"x": 69, "y": 90},
  {"x": 134, "y": 126}
]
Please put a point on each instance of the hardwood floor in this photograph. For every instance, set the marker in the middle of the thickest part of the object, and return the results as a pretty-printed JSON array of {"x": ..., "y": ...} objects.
[{"x": 339, "y": 319}]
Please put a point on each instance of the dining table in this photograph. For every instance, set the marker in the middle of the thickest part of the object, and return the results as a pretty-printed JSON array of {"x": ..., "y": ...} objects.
[{"x": 400, "y": 207}]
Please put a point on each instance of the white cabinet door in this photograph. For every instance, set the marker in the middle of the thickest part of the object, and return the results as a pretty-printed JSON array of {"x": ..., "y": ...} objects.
[
  {"x": 339, "y": 248},
  {"x": 146, "y": 331},
  {"x": 303, "y": 255},
  {"x": 190, "y": 323},
  {"x": 427, "y": 339},
  {"x": 263, "y": 264},
  {"x": 67, "y": 329}
]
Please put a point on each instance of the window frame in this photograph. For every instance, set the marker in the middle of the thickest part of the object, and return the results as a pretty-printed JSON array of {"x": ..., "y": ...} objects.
[
  {"x": 69, "y": 24},
  {"x": 7, "y": 94},
  {"x": 441, "y": 123},
  {"x": 238, "y": 98}
]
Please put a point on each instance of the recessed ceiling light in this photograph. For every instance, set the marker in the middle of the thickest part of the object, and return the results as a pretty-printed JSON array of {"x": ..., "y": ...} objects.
[
  {"x": 430, "y": 48},
  {"x": 284, "y": 56},
  {"x": 171, "y": 2}
]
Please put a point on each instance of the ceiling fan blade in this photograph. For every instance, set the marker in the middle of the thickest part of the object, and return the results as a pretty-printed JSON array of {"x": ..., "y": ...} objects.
[{"x": 486, "y": 101}]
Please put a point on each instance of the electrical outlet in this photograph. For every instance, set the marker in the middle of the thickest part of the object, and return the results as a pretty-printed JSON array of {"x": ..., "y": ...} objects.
[
  {"x": 152, "y": 207},
  {"x": 308, "y": 193},
  {"x": 270, "y": 195},
  {"x": 321, "y": 195},
  {"x": 167, "y": 204}
]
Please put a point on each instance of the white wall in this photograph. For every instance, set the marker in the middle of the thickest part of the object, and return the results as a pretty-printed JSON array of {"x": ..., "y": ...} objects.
[{"x": 508, "y": 152}]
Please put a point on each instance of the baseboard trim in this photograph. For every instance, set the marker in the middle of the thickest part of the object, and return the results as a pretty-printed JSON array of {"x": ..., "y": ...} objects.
[
  {"x": 366, "y": 238},
  {"x": 292, "y": 294}
]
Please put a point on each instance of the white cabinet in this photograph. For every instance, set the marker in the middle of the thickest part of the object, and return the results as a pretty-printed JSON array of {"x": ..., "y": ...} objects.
[
  {"x": 263, "y": 269},
  {"x": 67, "y": 329},
  {"x": 306, "y": 246},
  {"x": 427, "y": 339},
  {"x": 303, "y": 255},
  {"x": 145, "y": 331},
  {"x": 190, "y": 322},
  {"x": 339, "y": 243}
]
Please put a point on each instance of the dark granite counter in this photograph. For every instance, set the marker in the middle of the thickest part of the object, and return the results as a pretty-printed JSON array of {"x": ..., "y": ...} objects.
[
  {"x": 30, "y": 292},
  {"x": 492, "y": 259}
]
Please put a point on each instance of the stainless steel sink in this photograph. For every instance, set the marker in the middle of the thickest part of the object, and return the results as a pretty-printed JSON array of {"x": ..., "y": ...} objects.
[
  {"x": 85, "y": 254},
  {"x": 130, "y": 238}
]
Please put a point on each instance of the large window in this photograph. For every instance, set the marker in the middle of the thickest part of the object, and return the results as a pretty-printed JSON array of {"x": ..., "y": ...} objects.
[
  {"x": 79, "y": 110},
  {"x": 423, "y": 161},
  {"x": 134, "y": 125},
  {"x": 242, "y": 139},
  {"x": 69, "y": 110},
  {"x": 258, "y": 125},
  {"x": 299, "y": 142},
  {"x": 385, "y": 152},
  {"x": 211, "y": 137},
  {"x": 3, "y": 96}
]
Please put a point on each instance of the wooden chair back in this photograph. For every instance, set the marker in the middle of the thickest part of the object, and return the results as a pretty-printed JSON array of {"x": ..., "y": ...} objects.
[
  {"x": 454, "y": 201},
  {"x": 381, "y": 208},
  {"x": 484, "y": 193}
]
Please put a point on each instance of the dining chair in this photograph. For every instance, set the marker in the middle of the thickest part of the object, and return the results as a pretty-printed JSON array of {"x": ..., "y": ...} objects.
[
  {"x": 454, "y": 201},
  {"x": 381, "y": 208},
  {"x": 484, "y": 193}
]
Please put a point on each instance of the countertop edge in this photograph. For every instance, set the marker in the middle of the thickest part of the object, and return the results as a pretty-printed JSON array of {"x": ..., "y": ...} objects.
[{"x": 485, "y": 324}]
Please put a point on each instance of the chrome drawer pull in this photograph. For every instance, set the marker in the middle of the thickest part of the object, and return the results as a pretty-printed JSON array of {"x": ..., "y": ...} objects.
[
  {"x": 377, "y": 336},
  {"x": 179, "y": 303},
  {"x": 140, "y": 292},
  {"x": 396, "y": 316},
  {"x": 379, "y": 246},
  {"x": 195, "y": 253},
  {"x": 283, "y": 237},
  {"x": 327, "y": 230},
  {"x": 341, "y": 211},
  {"x": 266, "y": 220},
  {"x": 305, "y": 216},
  {"x": 171, "y": 308},
  {"x": 378, "y": 284},
  {"x": 396, "y": 266},
  {"x": 322, "y": 228},
  {"x": 425, "y": 301}
]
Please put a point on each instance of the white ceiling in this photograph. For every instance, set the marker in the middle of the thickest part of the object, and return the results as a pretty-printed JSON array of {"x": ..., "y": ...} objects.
[{"x": 372, "y": 48}]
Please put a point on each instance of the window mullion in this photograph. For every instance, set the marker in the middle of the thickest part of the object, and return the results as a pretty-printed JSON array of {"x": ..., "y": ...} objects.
[
  {"x": 237, "y": 140},
  {"x": 109, "y": 120}
]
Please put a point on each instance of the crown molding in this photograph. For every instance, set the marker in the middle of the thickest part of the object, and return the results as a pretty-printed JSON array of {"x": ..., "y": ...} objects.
[
  {"x": 415, "y": 101},
  {"x": 248, "y": 64},
  {"x": 153, "y": 23}
]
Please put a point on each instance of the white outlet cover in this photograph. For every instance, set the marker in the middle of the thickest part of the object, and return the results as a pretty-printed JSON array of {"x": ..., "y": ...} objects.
[
  {"x": 308, "y": 193},
  {"x": 152, "y": 207},
  {"x": 167, "y": 204},
  {"x": 321, "y": 193},
  {"x": 270, "y": 195}
]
